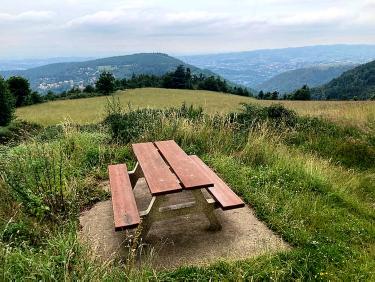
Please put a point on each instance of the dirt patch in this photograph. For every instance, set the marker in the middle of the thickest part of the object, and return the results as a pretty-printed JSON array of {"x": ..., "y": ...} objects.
[{"x": 183, "y": 240}]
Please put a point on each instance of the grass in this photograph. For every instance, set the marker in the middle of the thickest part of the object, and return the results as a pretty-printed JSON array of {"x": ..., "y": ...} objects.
[
  {"x": 318, "y": 197},
  {"x": 353, "y": 113},
  {"x": 91, "y": 110}
]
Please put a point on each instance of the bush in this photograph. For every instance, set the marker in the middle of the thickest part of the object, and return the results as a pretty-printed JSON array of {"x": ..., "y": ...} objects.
[
  {"x": 280, "y": 114},
  {"x": 6, "y": 104},
  {"x": 49, "y": 179},
  {"x": 130, "y": 126},
  {"x": 18, "y": 131},
  {"x": 251, "y": 115},
  {"x": 21, "y": 233}
]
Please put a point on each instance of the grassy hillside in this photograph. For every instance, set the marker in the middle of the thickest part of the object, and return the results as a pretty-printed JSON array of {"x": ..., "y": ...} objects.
[
  {"x": 93, "y": 109},
  {"x": 309, "y": 180},
  {"x": 289, "y": 81},
  {"x": 358, "y": 82}
]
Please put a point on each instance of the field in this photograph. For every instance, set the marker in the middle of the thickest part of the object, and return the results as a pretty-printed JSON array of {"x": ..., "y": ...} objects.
[
  {"x": 93, "y": 109},
  {"x": 358, "y": 113},
  {"x": 310, "y": 180}
]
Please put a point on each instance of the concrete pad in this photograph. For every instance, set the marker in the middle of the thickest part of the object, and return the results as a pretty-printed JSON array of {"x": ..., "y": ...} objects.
[{"x": 183, "y": 240}]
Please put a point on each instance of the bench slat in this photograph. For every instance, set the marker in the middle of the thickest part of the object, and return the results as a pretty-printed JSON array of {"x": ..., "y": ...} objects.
[
  {"x": 158, "y": 175},
  {"x": 125, "y": 211},
  {"x": 221, "y": 192},
  {"x": 187, "y": 171}
]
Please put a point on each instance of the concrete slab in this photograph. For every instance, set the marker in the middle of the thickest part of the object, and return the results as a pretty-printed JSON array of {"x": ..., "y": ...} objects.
[{"x": 184, "y": 240}]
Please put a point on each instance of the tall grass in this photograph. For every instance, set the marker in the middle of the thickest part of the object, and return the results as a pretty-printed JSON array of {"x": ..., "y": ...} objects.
[
  {"x": 92, "y": 110},
  {"x": 320, "y": 203}
]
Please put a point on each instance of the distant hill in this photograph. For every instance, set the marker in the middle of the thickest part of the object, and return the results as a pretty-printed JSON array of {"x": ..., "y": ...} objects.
[
  {"x": 358, "y": 82},
  {"x": 24, "y": 64},
  {"x": 62, "y": 76},
  {"x": 252, "y": 68},
  {"x": 289, "y": 81}
]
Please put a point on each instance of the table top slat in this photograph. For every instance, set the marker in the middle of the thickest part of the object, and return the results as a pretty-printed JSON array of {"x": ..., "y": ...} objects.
[
  {"x": 160, "y": 179},
  {"x": 190, "y": 174}
]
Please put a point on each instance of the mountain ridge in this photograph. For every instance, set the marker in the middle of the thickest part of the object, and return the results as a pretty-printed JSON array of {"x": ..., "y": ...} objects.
[
  {"x": 251, "y": 68},
  {"x": 357, "y": 83},
  {"x": 314, "y": 76},
  {"x": 64, "y": 75}
]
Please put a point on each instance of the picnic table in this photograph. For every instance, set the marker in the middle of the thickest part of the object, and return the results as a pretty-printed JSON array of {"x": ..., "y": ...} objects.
[{"x": 167, "y": 169}]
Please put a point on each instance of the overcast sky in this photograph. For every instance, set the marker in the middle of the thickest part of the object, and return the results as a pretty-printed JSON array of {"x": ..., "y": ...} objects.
[{"x": 53, "y": 28}]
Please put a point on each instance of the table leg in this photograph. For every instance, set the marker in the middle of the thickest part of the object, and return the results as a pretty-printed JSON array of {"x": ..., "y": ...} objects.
[
  {"x": 135, "y": 174},
  {"x": 207, "y": 209},
  {"x": 155, "y": 211},
  {"x": 152, "y": 214}
]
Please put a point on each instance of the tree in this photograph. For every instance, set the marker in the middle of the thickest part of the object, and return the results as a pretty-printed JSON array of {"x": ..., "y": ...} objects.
[
  {"x": 274, "y": 95},
  {"x": 106, "y": 83},
  {"x": 179, "y": 79},
  {"x": 6, "y": 104},
  {"x": 19, "y": 87},
  {"x": 35, "y": 98},
  {"x": 301, "y": 94},
  {"x": 50, "y": 96},
  {"x": 89, "y": 89},
  {"x": 261, "y": 94}
]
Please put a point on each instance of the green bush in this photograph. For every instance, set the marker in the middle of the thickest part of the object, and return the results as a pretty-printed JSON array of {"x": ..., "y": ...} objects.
[
  {"x": 7, "y": 104},
  {"x": 251, "y": 115},
  {"x": 132, "y": 125},
  {"x": 18, "y": 131},
  {"x": 49, "y": 179},
  {"x": 21, "y": 233}
]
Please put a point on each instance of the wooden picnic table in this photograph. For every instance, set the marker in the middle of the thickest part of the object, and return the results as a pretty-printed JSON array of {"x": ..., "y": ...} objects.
[{"x": 167, "y": 169}]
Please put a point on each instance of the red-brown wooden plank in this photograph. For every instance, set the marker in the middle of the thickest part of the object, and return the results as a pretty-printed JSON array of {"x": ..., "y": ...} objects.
[
  {"x": 125, "y": 211},
  {"x": 158, "y": 175},
  {"x": 221, "y": 192},
  {"x": 190, "y": 175}
]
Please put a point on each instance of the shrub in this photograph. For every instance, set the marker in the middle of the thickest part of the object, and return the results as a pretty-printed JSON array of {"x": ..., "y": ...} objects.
[
  {"x": 252, "y": 115},
  {"x": 130, "y": 126},
  {"x": 6, "y": 104},
  {"x": 50, "y": 179},
  {"x": 21, "y": 233},
  {"x": 18, "y": 131}
]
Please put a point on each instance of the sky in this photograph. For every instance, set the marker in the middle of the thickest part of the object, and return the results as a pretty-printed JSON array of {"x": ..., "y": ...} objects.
[{"x": 97, "y": 28}]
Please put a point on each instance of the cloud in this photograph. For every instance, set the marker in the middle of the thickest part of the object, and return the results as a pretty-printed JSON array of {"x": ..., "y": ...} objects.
[
  {"x": 329, "y": 16},
  {"x": 148, "y": 21},
  {"x": 114, "y": 26},
  {"x": 27, "y": 17}
]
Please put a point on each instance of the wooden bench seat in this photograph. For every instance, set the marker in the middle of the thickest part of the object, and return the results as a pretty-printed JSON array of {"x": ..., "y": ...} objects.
[
  {"x": 221, "y": 192},
  {"x": 125, "y": 211}
]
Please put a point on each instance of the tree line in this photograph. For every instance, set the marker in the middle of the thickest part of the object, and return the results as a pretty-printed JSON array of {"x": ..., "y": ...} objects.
[
  {"x": 181, "y": 78},
  {"x": 16, "y": 91},
  {"x": 304, "y": 93}
]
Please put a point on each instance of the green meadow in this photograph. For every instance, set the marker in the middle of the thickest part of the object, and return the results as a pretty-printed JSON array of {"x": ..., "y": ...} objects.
[
  {"x": 306, "y": 168},
  {"x": 83, "y": 111}
]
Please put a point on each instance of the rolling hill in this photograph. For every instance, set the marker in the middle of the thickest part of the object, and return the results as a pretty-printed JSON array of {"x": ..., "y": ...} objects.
[
  {"x": 289, "y": 81},
  {"x": 358, "y": 82},
  {"x": 62, "y": 76},
  {"x": 252, "y": 68}
]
